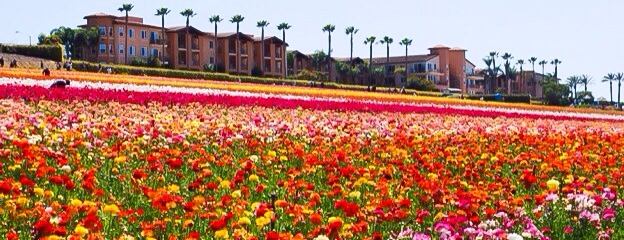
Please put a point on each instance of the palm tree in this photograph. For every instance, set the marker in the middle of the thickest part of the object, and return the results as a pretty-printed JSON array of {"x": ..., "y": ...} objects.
[
  {"x": 188, "y": 13},
  {"x": 329, "y": 29},
  {"x": 573, "y": 81},
  {"x": 262, "y": 24},
  {"x": 216, "y": 19},
  {"x": 237, "y": 19},
  {"x": 406, "y": 42},
  {"x": 387, "y": 40},
  {"x": 126, "y": 7},
  {"x": 609, "y": 78},
  {"x": 489, "y": 71},
  {"x": 350, "y": 31},
  {"x": 66, "y": 35},
  {"x": 543, "y": 64},
  {"x": 162, "y": 12},
  {"x": 586, "y": 80},
  {"x": 283, "y": 27},
  {"x": 619, "y": 77},
  {"x": 370, "y": 40},
  {"x": 494, "y": 77},
  {"x": 521, "y": 63},
  {"x": 507, "y": 57},
  {"x": 555, "y": 62},
  {"x": 532, "y": 60}
]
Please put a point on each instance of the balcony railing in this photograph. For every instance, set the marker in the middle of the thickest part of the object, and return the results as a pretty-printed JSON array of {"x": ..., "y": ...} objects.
[
  {"x": 195, "y": 46},
  {"x": 232, "y": 50},
  {"x": 157, "y": 41},
  {"x": 244, "y": 51}
]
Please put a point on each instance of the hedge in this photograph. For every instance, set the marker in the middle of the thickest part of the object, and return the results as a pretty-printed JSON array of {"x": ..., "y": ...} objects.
[
  {"x": 175, "y": 73},
  {"x": 50, "y": 52},
  {"x": 505, "y": 98}
]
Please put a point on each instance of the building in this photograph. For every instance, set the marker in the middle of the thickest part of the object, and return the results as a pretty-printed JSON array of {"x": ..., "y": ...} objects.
[
  {"x": 194, "y": 51},
  {"x": 446, "y": 67}
]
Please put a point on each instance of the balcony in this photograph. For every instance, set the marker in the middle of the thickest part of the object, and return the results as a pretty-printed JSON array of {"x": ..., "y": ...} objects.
[
  {"x": 157, "y": 41},
  {"x": 243, "y": 51},
  {"x": 195, "y": 46}
]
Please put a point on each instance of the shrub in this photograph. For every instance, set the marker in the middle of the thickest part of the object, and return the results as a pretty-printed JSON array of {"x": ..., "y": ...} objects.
[
  {"x": 504, "y": 98},
  {"x": 256, "y": 71},
  {"x": 420, "y": 83},
  {"x": 50, "y": 52},
  {"x": 153, "y": 61},
  {"x": 138, "y": 62}
]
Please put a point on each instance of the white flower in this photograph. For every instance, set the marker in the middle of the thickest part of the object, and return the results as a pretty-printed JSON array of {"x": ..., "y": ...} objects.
[
  {"x": 66, "y": 168},
  {"x": 514, "y": 236},
  {"x": 321, "y": 237}
]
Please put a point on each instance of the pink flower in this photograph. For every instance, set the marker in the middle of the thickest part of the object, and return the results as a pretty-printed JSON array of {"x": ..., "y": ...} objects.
[{"x": 608, "y": 214}]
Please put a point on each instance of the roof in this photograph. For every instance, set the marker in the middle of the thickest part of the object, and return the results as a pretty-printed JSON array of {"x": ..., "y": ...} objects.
[
  {"x": 438, "y": 46},
  {"x": 99, "y": 14},
  {"x": 468, "y": 61},
  {"x": 271, "y": 38},
  {"x": 457, "y": 49},
  {"x": 122, "y": 21},
  {"x": 299, "y": 54},
  {"x": 233, "y": 34},
  {"x": 401, "y": 59},
  {"x": 183, "y": 28}
]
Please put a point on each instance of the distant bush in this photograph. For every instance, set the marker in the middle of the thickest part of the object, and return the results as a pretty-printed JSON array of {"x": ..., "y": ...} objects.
[
  {"x": 50, "y": 52},
  {"x": 504, "y": 98},
  {"x": 420, "y": 83}
]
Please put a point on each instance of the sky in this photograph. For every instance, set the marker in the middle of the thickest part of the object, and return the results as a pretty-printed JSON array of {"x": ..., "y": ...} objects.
[{"x": 584, "y": 35}]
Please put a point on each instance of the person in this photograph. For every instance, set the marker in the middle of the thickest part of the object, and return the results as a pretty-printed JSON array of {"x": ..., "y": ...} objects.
[
  {"x": 1, "y": 61},
  {"x": 13, "y": 63},
  {"x": 99, "y": 67},
  {"x": 58, "y": 65},
  {"x": 41, "y": 64},
  {"x": 60, "y": 84},
  {"x": 46, "y": 72},
  {"x": 109, "y": 70}
]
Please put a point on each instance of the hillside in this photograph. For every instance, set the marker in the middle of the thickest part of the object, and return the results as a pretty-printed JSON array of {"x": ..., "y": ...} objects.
[{"x": 26, "y": 62}]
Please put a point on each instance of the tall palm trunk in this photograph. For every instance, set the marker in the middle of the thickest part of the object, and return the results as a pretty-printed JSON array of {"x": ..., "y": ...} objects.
[
  {"x": 619, "y": 87},
  {"x": 285, "y": 55},
  {"x": 611, "y": 90},
  {"x": 329, "y": 60},
  {"x": 188, "y": 43},
  {"x": 387, "y": 72},
  {"x": 262, "y": 50},
  {"x": 351, "y": 61},
  {"x": 370, "y": 66},
  {"x": 238, "y": 50},
  {"x": 216, "y": 52},
  {"x": 162, "y": 31},
  {"x": 405, "y": 82},
  {"x": 126, "y": 46}
]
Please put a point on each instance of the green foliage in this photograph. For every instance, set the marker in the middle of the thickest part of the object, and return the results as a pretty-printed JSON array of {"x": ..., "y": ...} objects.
[
  {"x": 306, "y": 75},
  {"x": 256, "y": 71},
  {"x": 48, "y": 39},
  {"x": 50, "y": 52},
  {"x": 555, "y": 93},
  {"x": 504, "y": 98},
  {"x": 420, "y": 83}
]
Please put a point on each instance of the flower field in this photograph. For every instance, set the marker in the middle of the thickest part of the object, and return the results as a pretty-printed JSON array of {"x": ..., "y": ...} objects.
[{"x": 112, "y": 160}]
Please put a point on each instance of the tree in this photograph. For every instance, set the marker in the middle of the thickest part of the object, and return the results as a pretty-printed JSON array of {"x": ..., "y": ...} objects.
[
  {"x": 329, "y": 29},
  {"x": 66, "y": 35},
  {"x": 262, "y": 24},
  {"x": 619, "y": 77},
  {"x": 555, "y": 93},
  {"x": 609, "y": 78},
  {"x": 283, "y": 27},
  {"x": 350, "y": 31},
  {"x": 495, "y": 68},
  {"x": 318, "y": 59},
  {"x": 573, "y": 81},
  {"x": 586, "y": 80},
  {"x": 387, "y": 40},
  {"x": 49, "y": 39},
  {"x": 543, "y": 64},
  {"x": 85, "y": 39},
  {"x": 162, "y": 12},
  {"x": 237, "y": 19},
  {"x": 521, "y": 64},
  {"x": 555, "y": 62},
  {"x": 370, "y": 40},
  {"x": 420, "y": 83},
  {"x": 126, "y": 7},
  {"x": 216, "y": 19},
  {"x": 188, "y": 13},
  {"x": 532, "y": 60},
  {"x": 406, "y": 42},
  {"x": 507, "y": 57}
]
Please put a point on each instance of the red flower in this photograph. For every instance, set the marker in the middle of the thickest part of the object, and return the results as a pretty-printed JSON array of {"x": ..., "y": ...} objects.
[
  {"x": 272, "y": 236},
  {"x": 43, "y": 227},
  {"x": 218, "y": 224}
]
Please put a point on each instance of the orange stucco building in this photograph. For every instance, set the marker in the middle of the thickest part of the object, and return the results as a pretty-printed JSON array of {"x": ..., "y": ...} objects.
[{"x": 194, "y": 51}]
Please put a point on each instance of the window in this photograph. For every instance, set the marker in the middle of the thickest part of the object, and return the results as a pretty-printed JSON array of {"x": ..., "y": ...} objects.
[
  {"x": 182, "y": 57},
  {"x": 121, "y": 48},
  {"x": 143, "y": 34},
  {"x": 143, "y": 51},
  {"x": 102, "y": 30},
  {"x": 110, "y": 31},
  {"x": 131, "y": 33},
  {"x": 212, "y": 60},
  {"x": 211, "y": 45},
  {"x": 131, "y": 50},
  {"x": 154, "y": 52},
  {"x": 121, "y": 31},
  {"x": 110, "y": 48},
  {"x": 102, "y": 48}
]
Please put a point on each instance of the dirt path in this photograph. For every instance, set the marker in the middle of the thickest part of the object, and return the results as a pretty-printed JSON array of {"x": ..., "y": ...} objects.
[{"x": 26, "y": 62}]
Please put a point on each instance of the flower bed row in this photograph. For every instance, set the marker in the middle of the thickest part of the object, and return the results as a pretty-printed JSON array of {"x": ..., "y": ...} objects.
[
  {"x": 34, "y": 89},
  {"x": 288, "y": 90},
  {"x": 98, "y": 169}
]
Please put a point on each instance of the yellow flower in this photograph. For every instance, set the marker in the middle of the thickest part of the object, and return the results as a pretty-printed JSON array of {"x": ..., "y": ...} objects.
[
  {"x": 80, "y": 230},
  {"x": 111, "y": 209},
  {"x": 283, "y": 158},
  {"x": 236, "y": 194},
  {"x": 272, "y": 153},
  {"x": 553, "y": 185},
  {"x": 244, "y": 221},
  {"x": 173, "y": 188},
  {"x": 188, "y": 223},
  {"x": 38, "y": 191},
  {"x": 120, "y": 159},
  {"x": 223, "y": 233},
  {"x": 253, "y": 178},
  {"x": 76, "y": 203},
  {"x": 224, "y": 184},
  {"x": 355, "y": 194},
  {"x": 262, "y": 221}
]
